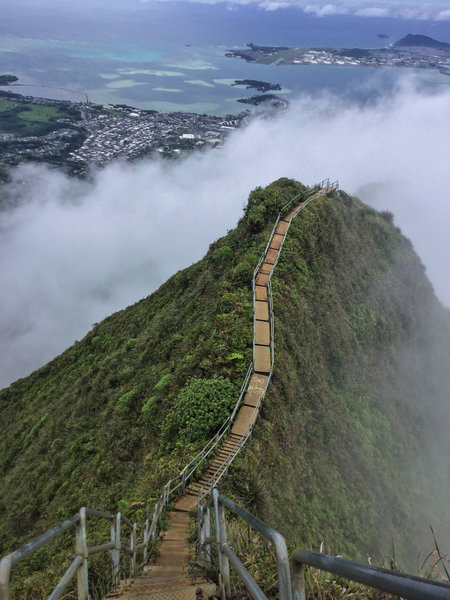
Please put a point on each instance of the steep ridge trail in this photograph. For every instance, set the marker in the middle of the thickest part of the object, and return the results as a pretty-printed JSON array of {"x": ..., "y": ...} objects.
[{"x": 167, "y": 578}]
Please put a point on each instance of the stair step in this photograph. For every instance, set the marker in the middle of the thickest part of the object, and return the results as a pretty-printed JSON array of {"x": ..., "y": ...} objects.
[
  {"x": 260, "y": 292},
  {"x": 262, "y": 279},
  {"x": 266, "y": 268},
  {"x": 272, "y": 255},
  {"x": 262, "y": 359},
  {"x": 277, "y": 240},
  {"x": 246, "y": 418},
  {"x": 282, "y": 227},
  {"x": 261, "y": 310},
  {"x": 262, "y": 333}
]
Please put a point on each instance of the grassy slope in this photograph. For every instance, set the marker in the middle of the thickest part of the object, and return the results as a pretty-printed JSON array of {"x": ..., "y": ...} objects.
[
  {"x": 352, "y": 446},
  {"x": 338, "y": 429},
  {"x": 74, "y": 432}
]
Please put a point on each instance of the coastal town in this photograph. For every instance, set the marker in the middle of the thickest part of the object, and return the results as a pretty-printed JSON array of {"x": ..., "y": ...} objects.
[
  {"x": 413, "y": 51},
  {"x": 82, "y": 136},
  {"x": 122, "y": 132}
]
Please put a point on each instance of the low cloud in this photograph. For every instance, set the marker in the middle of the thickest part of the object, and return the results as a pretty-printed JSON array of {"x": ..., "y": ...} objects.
[
  {"x": 369, "y": 9},
  {"x": 325, "y": 10},
  {"x": 443, "y": 15},
  {"x": 74, "y": 252},
  {"x": 402, "y": 9},
  {"x": 373, "y": 11}
]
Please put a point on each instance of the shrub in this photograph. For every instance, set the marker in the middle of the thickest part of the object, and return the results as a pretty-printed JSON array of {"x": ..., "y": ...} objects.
[
  {"x": 164, "y": 382},
  {"x": 387, "y": 216},
  {"x": 200, "y": 408},
  {"x": 124, "y": 402}
]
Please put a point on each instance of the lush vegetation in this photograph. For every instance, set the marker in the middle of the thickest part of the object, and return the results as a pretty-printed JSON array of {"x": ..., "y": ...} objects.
[
  {"x": 352, "y": 444},
  {"x": 98, "y": 424},
  {"x": 342, "y": 450},
  {"x": 28, "y": 119}
]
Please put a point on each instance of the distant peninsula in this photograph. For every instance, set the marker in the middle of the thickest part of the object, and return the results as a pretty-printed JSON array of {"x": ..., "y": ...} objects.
[
  {"x": 413, "y": 51},
  {"x": 7, "y": 79}
]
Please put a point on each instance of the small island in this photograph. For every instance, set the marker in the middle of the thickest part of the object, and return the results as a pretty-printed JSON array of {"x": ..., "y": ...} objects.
[
  {"x": 275, "y": 101},
  {"x": 260, "y": 86},
  {"x": 7, "y": 79}
]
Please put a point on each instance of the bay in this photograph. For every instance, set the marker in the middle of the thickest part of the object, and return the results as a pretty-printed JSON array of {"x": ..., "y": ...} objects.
[{"x": 171, "y": 56}]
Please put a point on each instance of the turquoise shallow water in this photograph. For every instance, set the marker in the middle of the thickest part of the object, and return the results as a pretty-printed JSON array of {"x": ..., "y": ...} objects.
[
  {"x": 196, "y": 79},
  {"x": 171, "y": 56}
]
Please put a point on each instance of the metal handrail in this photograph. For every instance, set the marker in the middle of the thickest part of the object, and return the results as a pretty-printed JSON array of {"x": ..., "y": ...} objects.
[
  {"x": 408, "y": 587},
  {"x": 179, "y": 482},
  {"x": 226, "y": 554},
  {"x": 78, "y": 565},
  {"x": 324, "y": 186}
]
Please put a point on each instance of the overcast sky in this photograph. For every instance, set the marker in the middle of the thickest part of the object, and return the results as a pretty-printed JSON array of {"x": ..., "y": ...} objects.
[
  {"x": 406, "y": 9},
  {"x": 71, "y": 253}
]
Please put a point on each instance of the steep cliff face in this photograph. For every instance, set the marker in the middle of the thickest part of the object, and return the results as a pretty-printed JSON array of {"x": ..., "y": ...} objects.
[
  {"x": 352, "y": 445},
  {"x": 344, "y": 450}
]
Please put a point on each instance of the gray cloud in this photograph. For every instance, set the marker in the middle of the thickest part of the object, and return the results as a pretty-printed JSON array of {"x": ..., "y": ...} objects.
[
  {"x": 71, "y": 253},
  {"x": 402, "y": 9}
]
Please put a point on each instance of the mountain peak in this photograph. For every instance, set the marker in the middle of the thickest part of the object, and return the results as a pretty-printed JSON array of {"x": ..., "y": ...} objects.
[{"x": 423, "y": 41}]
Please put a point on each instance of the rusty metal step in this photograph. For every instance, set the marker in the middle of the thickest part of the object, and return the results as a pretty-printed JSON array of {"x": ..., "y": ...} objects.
[
  {"x": 261, "y": 310},
  {"x": 282, "y": 227},
  {"x": 262, "y": 279},
  {"x": 265, "y": 268},
  {"x": 260, "y": 292},
  {"x": 262, "y": 359},
  {"x": 255, "y": 389},
  {"x": 262, "y": 333},
  {"x": 277, "y": 240},
  {"x": 271, "y": 256},
  {"x": 246, "y": 418}
]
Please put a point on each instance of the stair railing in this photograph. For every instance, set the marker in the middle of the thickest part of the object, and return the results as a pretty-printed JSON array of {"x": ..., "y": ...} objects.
[
  {"x": 318, "y": 190},
  {"x": 227, "y": 555},
  {"x": 79, "y": 564},
  {"x": 401, "y": 585},
  {"x": 150, "y": 526}
]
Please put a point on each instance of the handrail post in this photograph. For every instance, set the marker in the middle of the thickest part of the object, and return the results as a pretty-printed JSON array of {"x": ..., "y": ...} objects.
[
  {"x": 146, "y": 539},
  {"x": 207, "y": 519},
  {"x": 200, "y": 530},
  {"x": 115, "y": 552},
  {"x": 215, "y": 497},
  {"x": 5, "y": 575},
  {"x": 298, "y": 580},
  {"x": 204, "y": 532},
  {"x": 154, "y": 521},
  {"x": 221, "y": 529},
  {"x": 133, "y": 550},
  {"x": 82, "y": 550},
  {"x": 283, "y": 569}
]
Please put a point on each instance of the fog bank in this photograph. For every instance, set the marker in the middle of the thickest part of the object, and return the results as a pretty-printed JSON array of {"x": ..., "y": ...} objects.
[{"x": 71, "y": 253}]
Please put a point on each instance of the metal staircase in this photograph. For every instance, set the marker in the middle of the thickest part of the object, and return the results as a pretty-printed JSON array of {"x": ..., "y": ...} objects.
[{"x": 169, "y": 571}]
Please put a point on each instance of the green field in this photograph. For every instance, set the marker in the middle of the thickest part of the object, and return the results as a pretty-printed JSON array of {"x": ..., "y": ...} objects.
[
  {"x": 40, "y": 114},
  {"x": 5, "y": 105},
  {"x": 23, "y": 119}
]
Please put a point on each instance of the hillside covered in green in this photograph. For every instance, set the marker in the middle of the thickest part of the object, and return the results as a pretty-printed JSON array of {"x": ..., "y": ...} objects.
[{"x": 351, "y": 445}]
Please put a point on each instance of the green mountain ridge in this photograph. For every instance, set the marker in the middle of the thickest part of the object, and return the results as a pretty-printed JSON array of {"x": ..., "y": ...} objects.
[
  {"x": 351, "y": 444},
  {"x": 423, "y": 41}
]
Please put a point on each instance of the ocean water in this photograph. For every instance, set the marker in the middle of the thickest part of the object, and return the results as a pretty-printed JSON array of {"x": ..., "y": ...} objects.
[{"x": 171, "y": 56}]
